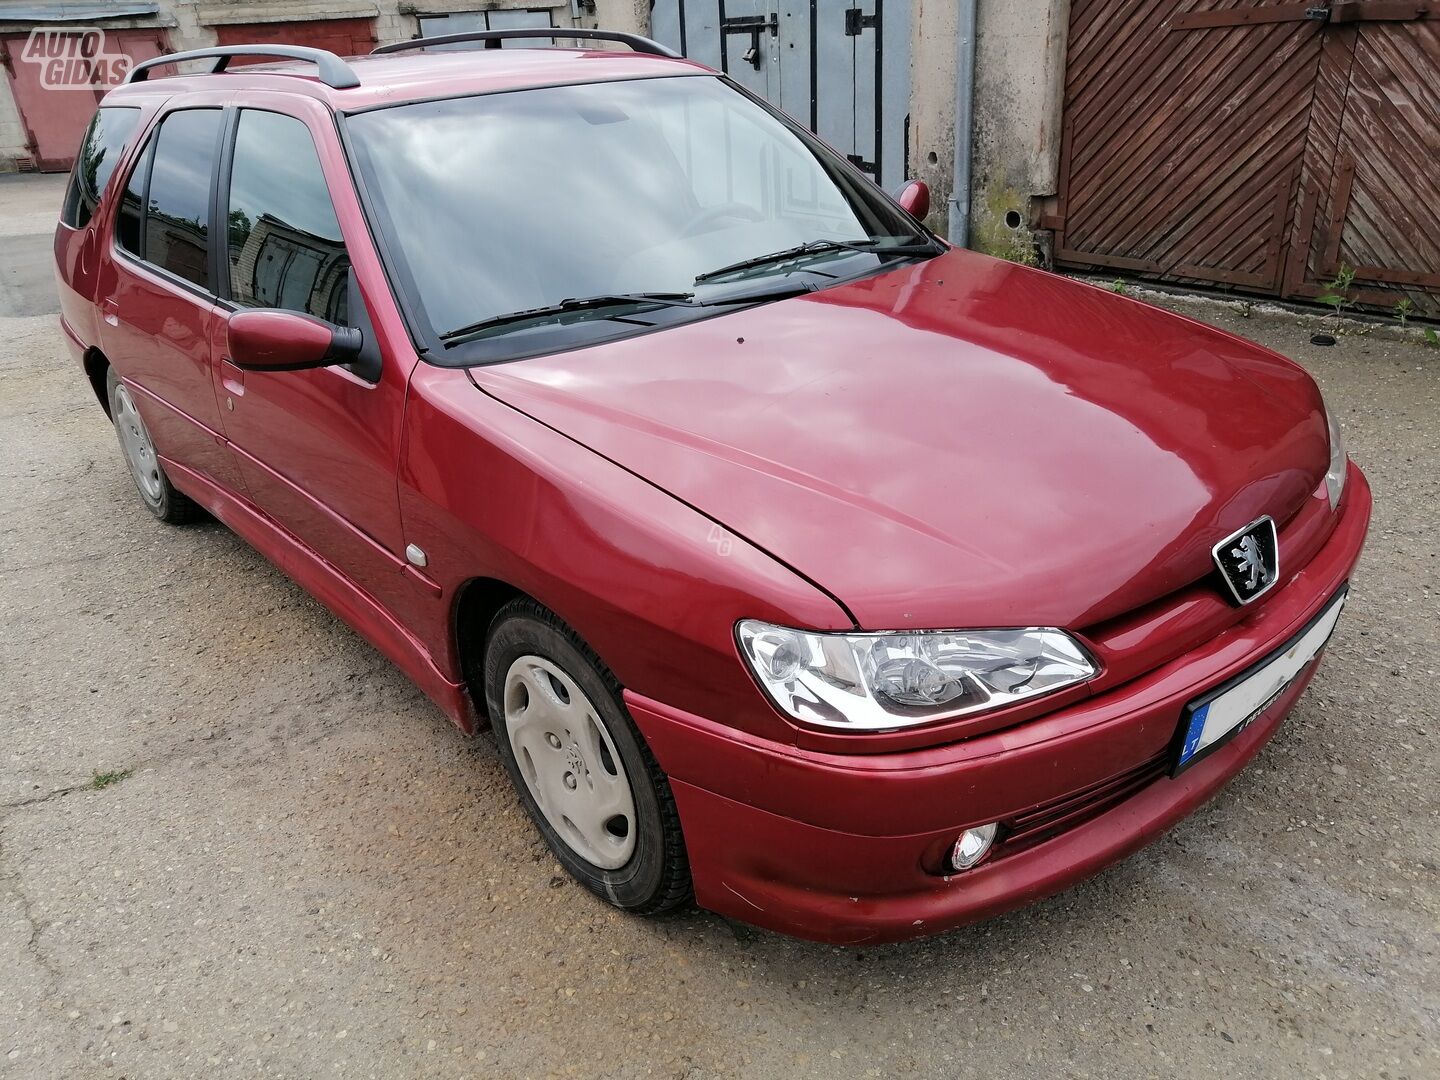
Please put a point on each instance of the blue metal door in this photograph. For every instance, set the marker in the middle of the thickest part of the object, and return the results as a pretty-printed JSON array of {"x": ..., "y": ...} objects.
[{"x": 841, "y": 67}]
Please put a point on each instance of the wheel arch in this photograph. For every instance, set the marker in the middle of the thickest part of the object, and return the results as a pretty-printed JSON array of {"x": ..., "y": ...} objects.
[
  {"x": 477, "y": 602},
  {"x": 97, "y": 364}
]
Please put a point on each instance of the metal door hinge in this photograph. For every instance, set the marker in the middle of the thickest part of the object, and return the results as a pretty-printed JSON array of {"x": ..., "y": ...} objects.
[
  {"x": 856, "y": 20},
  {"x": 1341, "y": 12},
  {"x": 1348, "y": 11}
]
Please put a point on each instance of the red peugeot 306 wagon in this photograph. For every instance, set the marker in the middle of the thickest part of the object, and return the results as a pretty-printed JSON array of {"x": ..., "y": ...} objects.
[{"x": 856, "y": 586}]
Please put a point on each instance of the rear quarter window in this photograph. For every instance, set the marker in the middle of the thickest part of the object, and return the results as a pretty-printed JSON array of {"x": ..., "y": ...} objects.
[
  {"x": 164, "y": 214},
  {"x": 177, "y": 211},
  {"x": 100, "y": 152}
]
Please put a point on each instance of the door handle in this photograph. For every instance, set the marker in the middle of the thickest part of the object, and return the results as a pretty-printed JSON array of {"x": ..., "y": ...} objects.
[{"x": 232, "y": 378}]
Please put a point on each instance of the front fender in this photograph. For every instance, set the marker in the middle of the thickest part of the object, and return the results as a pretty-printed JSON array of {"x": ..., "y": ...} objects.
[{"x": 654, "y": 586}]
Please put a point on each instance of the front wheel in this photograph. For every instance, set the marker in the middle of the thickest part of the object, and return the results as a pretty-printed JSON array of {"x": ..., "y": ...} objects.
[{"x": 582, "y": 769}]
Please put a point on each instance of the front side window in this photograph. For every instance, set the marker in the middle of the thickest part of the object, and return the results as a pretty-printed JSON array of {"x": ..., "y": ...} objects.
[
  {"x": 284, "y": 245},
  {"x": 165, "y": 211},
  {"x": 100, "y": 152},
  {"x": 516, "y": 203}
]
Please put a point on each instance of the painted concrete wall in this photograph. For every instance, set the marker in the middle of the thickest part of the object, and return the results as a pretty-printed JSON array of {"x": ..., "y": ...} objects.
[
  {"x": 933, "y": 57},
  {"x": 12, "y": 131},
  {"x": 1019, "y": 83}
]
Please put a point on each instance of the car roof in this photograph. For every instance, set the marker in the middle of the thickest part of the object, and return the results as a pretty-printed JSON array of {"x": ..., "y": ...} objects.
[{"x": 396, "y": 78}]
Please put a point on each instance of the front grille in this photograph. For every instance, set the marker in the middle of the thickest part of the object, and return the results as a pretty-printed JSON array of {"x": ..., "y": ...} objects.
[{"x": 1049, "y": 819}]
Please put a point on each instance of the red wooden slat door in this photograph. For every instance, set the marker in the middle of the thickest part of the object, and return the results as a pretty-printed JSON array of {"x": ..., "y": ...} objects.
[
  {"x": 1183, "y": 142},
  {"x": 1370, "y": 191},
  {"x": 1255, "y": 144}
]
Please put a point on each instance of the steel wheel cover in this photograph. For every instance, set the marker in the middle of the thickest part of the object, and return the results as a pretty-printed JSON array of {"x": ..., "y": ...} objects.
[
  {"x": 135, "y": 444},
  {"x": 569, "y": 762}
]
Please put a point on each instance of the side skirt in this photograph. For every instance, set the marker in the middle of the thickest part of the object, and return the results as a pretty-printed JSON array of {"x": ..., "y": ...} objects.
[{"x": 333, "y": 589}]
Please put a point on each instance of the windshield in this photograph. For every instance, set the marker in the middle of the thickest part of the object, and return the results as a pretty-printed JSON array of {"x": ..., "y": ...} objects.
[{"x": 553, "y": 213}]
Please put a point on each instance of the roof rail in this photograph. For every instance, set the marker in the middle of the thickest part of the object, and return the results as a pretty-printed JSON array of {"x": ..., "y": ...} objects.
[
  {"x": 493, "y": 38},
  {"x": 334, "y": 72}
]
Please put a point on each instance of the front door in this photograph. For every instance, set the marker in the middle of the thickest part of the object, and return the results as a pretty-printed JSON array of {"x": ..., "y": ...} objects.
[{"x": 318, "y": 449}]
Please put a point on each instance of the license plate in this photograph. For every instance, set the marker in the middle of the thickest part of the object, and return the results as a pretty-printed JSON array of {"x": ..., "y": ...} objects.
[{"x": 1213, "y": 719}]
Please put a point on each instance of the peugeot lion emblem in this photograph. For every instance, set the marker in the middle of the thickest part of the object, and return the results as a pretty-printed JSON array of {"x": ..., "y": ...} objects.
[{"x": 1249, "y": 561}]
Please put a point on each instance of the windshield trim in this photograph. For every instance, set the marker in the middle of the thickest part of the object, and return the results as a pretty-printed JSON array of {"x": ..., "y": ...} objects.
[{"x": 428, "y": 343}]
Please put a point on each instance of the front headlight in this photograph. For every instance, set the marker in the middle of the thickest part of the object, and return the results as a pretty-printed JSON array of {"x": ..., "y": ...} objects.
[
  {"x": 1335, "y": 475},
  {"x": 878, "y": 682}
]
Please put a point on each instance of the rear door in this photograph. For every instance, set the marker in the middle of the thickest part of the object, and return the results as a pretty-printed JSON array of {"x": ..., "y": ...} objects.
[
  {"x": 158, "y": 312},
  {"x": 318, "y": 449}
]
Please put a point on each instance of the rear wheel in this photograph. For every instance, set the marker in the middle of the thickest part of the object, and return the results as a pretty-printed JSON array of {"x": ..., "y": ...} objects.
[
  {"x": 156, "y": 491},
  {"x": 582, "y": 769}
]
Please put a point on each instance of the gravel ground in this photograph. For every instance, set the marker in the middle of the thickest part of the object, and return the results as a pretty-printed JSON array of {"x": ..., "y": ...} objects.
[{"x": 305, "y": 871}]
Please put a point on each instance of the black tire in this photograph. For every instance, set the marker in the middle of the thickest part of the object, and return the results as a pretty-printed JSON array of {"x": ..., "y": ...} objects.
[
  {"x": 656, "y": 877},
  {"x": 164, "y": 501}
]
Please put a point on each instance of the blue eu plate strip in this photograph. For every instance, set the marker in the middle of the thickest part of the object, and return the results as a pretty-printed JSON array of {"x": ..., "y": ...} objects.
[{"x": 1192, "y": 737}]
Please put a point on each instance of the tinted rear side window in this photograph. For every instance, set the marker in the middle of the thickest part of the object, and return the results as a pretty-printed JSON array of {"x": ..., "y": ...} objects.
[
  {"x": 99, "y": 154},
  {"x": 285, "y": 248},
  {"x": 177, "y": 204}
]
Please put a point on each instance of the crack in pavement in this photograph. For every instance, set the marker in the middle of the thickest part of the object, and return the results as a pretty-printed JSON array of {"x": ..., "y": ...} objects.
[
  {"x": 14, "y": 891},
  {"x": 53, "y": 979},
  {"x": 34, "y": 800}
]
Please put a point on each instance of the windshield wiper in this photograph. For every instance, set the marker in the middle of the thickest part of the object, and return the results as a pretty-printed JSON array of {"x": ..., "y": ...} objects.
[
  {"x": 819, "y": 247},
  {"x": 582, "y": 303}
]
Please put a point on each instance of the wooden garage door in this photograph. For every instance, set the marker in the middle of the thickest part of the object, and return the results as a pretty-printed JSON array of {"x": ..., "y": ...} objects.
[{"x": 1262, "y": 145}]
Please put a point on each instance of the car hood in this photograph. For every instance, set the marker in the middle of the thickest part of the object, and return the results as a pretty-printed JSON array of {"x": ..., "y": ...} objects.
[{"x": 958, "y": 442}]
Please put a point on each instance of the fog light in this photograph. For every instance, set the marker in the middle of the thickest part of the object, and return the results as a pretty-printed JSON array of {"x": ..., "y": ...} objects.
[{"x": 973, "y": 845}]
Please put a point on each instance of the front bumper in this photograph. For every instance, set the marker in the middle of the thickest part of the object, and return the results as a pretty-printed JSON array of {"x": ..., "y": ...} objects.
[{"x": 848, "y": 849}]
